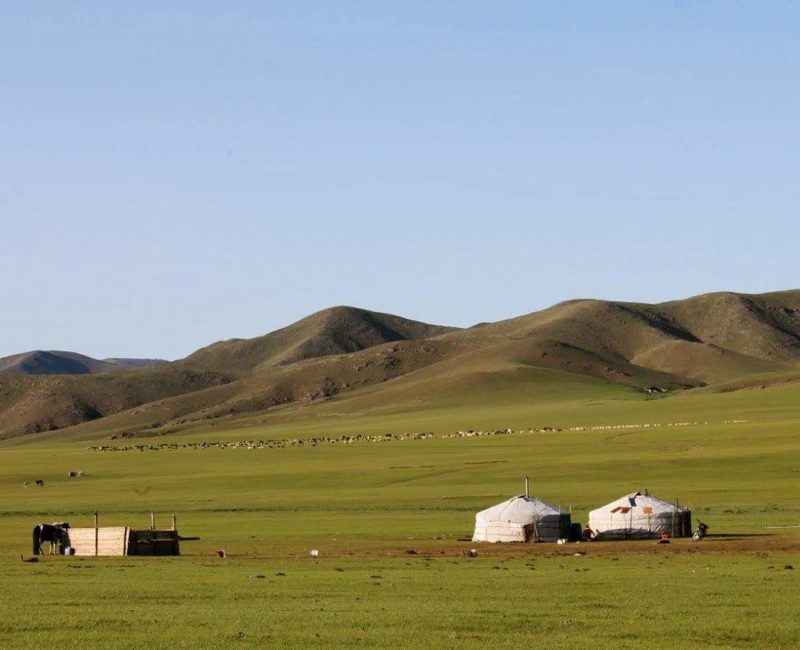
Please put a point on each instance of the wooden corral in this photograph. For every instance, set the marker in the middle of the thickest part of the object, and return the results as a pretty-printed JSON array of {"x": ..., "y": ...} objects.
[{"x": 121, "y": 540}]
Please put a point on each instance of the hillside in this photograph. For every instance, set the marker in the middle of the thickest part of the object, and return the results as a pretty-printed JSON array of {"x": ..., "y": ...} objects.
[
  {"x": 359, "y": 361},
  {"x": 339, "y": 330},
  {"x": 57, "y": 362},
  {"x": 212, "y": 376}
]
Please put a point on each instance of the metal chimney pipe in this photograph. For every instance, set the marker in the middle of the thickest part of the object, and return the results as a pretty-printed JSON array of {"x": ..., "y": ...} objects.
[{"x": 527, "y": 494}]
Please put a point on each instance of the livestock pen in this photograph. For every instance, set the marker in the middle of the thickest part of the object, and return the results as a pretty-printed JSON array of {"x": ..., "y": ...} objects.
[{"x": 122, "y": 540}]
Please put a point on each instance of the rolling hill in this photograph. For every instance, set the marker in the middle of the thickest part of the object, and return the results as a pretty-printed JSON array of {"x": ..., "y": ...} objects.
[
  {"x": 57, "y": 362},
  {"x": 356, "y": 360},
  {"x": 339, "y": 330}
]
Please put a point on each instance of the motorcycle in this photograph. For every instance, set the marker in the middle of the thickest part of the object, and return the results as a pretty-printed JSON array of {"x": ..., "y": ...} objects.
[{"x": 701, "y": 532}]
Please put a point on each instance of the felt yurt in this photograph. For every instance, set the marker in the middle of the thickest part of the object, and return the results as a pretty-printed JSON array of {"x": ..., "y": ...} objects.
[
  {"x": 521, "y": 519},
  {"x": 640, "y": 515}
]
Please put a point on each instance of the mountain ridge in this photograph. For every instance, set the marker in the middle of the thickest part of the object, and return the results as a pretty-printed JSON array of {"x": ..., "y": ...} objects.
[{"x": 639, "y": 347}]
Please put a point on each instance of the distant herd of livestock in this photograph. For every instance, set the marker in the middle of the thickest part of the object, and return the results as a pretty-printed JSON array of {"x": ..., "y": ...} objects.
[{"x": 314, "y": 441}]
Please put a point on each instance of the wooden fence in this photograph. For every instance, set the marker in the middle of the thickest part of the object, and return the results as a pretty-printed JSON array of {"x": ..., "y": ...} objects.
[
  {"x": 122, "y": 540},
  {"x": 100, "y": 541}
]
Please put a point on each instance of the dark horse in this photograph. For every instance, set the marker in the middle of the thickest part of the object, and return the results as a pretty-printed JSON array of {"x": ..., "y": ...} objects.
[{"x": 55, "y": 534}]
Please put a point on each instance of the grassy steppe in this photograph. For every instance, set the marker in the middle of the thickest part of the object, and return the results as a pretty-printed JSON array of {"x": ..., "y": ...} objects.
[
  {"x": 365, "y": 505},
  {"x": 659, "y": 601}
]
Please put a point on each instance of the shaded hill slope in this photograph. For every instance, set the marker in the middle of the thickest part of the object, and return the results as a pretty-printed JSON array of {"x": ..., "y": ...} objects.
[
  {"x": 57, "y": 362},
  {"x": 339, "y": 354},
  {"x": 765, "y": 326},
  {"x": 31, "y": 403}
]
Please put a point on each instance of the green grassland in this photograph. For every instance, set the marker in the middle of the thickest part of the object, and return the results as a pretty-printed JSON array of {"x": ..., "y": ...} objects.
[
  {"x": 730, "y": 455},
  {"x": 661, "y": 600}
]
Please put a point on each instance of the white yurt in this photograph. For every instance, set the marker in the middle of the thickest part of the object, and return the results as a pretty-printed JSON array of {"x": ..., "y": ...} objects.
[
  {"x": 521, "y": 519},
  {"x": 640, "y": 516}
]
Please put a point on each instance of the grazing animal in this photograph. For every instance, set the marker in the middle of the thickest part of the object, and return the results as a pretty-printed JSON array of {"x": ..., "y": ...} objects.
[
  {"x": 28, "y": 559},
  {"x": 39, "y": 482},
  {"x": 54, "y": 534}
]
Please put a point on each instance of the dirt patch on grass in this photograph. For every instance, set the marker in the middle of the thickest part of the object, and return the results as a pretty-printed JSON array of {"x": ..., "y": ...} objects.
[{"x": 415, "y": 550}]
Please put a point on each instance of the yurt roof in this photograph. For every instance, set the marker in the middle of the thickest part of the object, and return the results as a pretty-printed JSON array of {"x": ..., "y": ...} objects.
[
  {"x": 639, "y": 500},
  {"x": 520, "y": 509}
]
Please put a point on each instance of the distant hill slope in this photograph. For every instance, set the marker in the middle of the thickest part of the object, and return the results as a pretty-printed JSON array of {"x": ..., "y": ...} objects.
[
  {"x": 122, "y": 363},
  {"x": 346, "y": 352},
  {"x": 57, "y": 362}
]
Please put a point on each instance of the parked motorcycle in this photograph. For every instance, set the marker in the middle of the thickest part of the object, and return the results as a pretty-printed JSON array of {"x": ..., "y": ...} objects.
[{"x": 701, "y": 532}]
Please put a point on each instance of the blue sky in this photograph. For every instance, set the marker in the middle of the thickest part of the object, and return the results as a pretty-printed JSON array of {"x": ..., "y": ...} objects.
[{"x": 174, "y": 173}]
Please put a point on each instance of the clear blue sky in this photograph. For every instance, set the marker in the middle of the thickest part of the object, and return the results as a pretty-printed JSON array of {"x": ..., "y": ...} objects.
[{"x": 174, "y": 173}]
